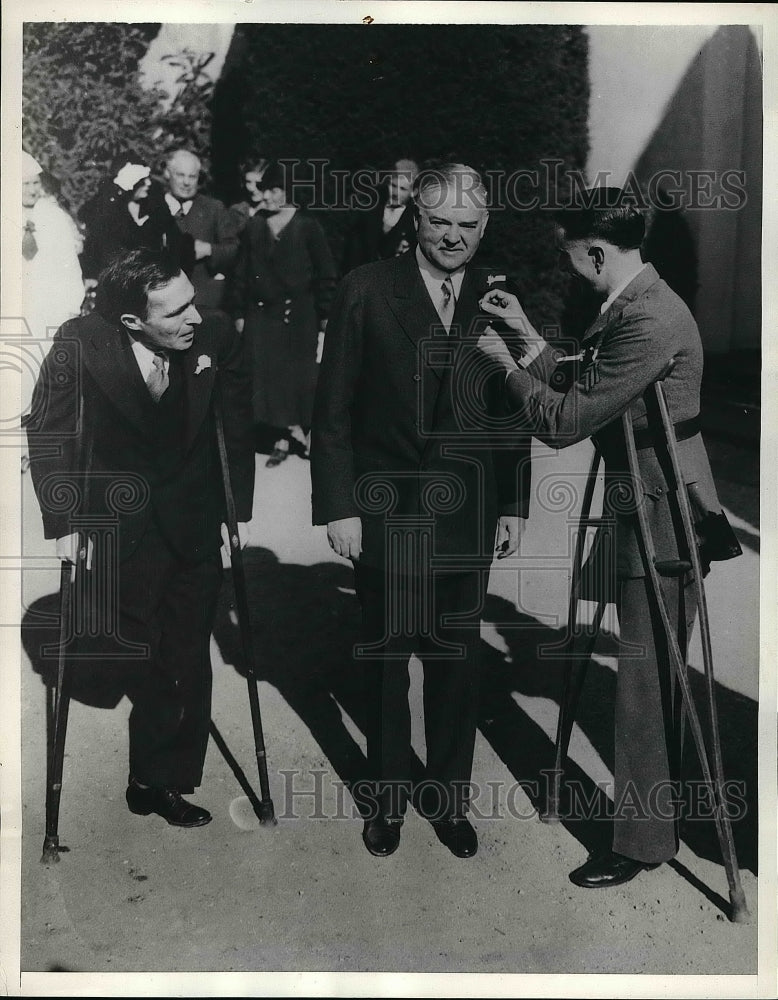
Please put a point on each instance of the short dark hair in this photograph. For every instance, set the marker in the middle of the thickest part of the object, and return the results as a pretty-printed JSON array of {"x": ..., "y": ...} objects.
[
  {"x": 124, "y": 285},
  {"x": 274, "y": 176},
  {"x": 604, "y": 213}
]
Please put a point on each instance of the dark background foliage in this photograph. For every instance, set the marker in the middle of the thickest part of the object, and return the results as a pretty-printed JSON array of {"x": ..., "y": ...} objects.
[
  {"x": 501, "y": 98},
  {"x": 82, "y": 102}
]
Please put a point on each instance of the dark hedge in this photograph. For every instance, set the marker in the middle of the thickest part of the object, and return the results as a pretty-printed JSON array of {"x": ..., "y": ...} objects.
[
  {"x": 502, "y": 98},
  {"x": 83, "y": 103}
]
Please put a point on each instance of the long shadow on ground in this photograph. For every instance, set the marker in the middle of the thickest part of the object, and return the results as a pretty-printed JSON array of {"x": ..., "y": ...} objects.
[{"x": 305, "y": 620}]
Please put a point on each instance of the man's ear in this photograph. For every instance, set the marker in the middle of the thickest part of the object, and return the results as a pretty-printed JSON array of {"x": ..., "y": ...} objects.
[
  {"x": 484, "y": 223},
  {"x": 131, "y": 321},
  {"x": 598, "y": 257}
]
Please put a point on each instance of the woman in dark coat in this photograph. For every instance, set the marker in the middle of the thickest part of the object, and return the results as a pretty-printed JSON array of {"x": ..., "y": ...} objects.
[
  {"x": 251, "y": 172},
  {"x": 283, "y": 284},
  {"x": 127, "y": 213}
]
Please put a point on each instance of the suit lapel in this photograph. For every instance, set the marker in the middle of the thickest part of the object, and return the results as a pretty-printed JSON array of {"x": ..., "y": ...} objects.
[
  {"x": 416, "y": 315},
  {"x": 192, "y": 221},
  {"x": 634, "y": 290},
  {"x": 111, "y": 363},
  {"x": 199, "y": 372}
]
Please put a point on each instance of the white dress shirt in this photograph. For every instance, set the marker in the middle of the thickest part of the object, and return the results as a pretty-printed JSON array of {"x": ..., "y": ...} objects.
[{"x": 145, "y": 358}]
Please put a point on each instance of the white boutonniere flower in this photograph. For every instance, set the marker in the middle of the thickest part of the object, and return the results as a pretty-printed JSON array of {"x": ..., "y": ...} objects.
[
  {"x": 203, "y": 362},
  {"x": 492, "y": 278}
]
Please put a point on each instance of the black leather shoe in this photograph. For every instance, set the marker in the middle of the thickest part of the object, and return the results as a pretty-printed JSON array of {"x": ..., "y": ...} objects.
[
  {"x": 606, "y": 869},
  {"x": 381, "y": 837},
  {"x": 167, "y": 804},
  {"x": 458, "y": 836}
]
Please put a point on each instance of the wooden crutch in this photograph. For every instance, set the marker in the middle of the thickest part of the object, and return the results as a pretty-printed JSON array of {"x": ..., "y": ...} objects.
[
  {"x": 264, "y": 806},
  {"x": 576, "y": 661},
  {"x": 55, "y": 751},
  {"x": 715, "y": 780}
]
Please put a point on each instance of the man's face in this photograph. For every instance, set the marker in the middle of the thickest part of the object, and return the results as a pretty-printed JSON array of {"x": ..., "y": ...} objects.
[
  {"x": 182, "y": 174},
  {"x": 400, "y": 187},
  {"x": 171, "y": 317},
  {"x": 31, "y": 191},
  {"x": 449, "y": 227}
]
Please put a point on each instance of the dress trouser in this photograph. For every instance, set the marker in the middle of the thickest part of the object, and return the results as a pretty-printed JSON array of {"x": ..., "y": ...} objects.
[
  {"x": 646, "y": 768},
  {"x": 169, "y": 603},
  {"x": 403, "y": 615}
]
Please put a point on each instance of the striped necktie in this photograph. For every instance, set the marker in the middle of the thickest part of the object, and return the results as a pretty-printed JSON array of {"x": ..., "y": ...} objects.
[
  {"x": 447, "y": 302},
  {"x": 158, "y": 379}
]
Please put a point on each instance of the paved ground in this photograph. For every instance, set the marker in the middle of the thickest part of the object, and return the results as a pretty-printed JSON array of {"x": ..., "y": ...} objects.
[{"x": 134, "y": 895}]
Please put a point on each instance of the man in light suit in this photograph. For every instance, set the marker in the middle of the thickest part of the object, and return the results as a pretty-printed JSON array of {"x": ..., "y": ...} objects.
[
  {"x": 642, "y": 325},
  {"x": 211, "y": 228},
  {"x": 123, "y": 421},
  {"x": 407, "y": 479}
]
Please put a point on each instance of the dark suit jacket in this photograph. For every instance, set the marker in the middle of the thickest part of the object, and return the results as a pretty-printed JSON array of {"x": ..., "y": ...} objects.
[
  {"x": 401, "y": 426},
  {"x": 646, "y": 326},
  {"x": 90, "y": 398},
  {"x": 366, "y": 240},
  {"x": 208, "y": 219}
]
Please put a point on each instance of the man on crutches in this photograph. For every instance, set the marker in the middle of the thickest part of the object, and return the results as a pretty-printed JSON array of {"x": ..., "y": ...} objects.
[
  {"x": 642, "y": 325},
  {"x": 126, "y": 467}
]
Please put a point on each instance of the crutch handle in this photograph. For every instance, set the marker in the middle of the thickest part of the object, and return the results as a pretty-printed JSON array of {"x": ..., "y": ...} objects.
[{"x": 672, "y": 567}]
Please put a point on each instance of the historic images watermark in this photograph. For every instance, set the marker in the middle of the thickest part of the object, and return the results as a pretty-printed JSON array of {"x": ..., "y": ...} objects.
[
  {"x": 317, "y": 794},
  {"x": 549, "y": 186}
]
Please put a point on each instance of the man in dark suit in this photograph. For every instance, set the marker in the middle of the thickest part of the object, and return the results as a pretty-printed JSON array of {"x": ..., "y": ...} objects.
[
  {"x": 123, "y": 421},
  {"x": 642, "y": 325},
  {"x": 210, "y": 228},
  {"x": 408, "y": 481},
  {"x": 387, "y": 229}
]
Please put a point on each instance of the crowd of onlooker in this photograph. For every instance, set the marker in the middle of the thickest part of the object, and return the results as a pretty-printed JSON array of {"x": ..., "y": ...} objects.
[{"x": 262, "y": 263}]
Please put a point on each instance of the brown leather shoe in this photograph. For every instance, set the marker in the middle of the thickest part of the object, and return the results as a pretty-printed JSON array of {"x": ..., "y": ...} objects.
[
  {"x": 606, "y": 869},
  {"x": 166, "y": 803},
  {"x": 458, "y": 835}
]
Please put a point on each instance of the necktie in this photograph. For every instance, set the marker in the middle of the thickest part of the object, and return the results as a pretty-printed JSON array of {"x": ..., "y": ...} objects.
[
  {"x": 447, "y": 302},
  {"x": 29, "y": 243},
  {"x": 158, "y": 379}
]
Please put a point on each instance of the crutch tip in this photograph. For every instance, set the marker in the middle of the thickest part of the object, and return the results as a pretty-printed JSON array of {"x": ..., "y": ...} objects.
[
  {"x": 51, "y": 851},
  {"x": 266, "y": 814},
  {"x": 740, "y": 913}
]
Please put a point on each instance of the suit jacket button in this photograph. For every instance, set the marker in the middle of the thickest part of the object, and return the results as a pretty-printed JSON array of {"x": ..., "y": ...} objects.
[{"x": 417, "y": 378}]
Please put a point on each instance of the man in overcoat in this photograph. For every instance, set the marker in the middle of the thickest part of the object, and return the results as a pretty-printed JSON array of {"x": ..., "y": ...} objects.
[
  {"x": 411, "y": 486},
  {"x": 642, "y": 326},
  {"x": 125, "y": 466},
  {"x": 211, "y": 230}
]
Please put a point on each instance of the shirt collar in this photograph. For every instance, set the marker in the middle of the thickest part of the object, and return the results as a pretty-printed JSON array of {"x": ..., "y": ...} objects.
[
  {"x": 174, "y": 204},
  {"x": 617, "y": 291},
  {"x": 434, "y": 276},
  {"x": 144, "y": 356}
]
